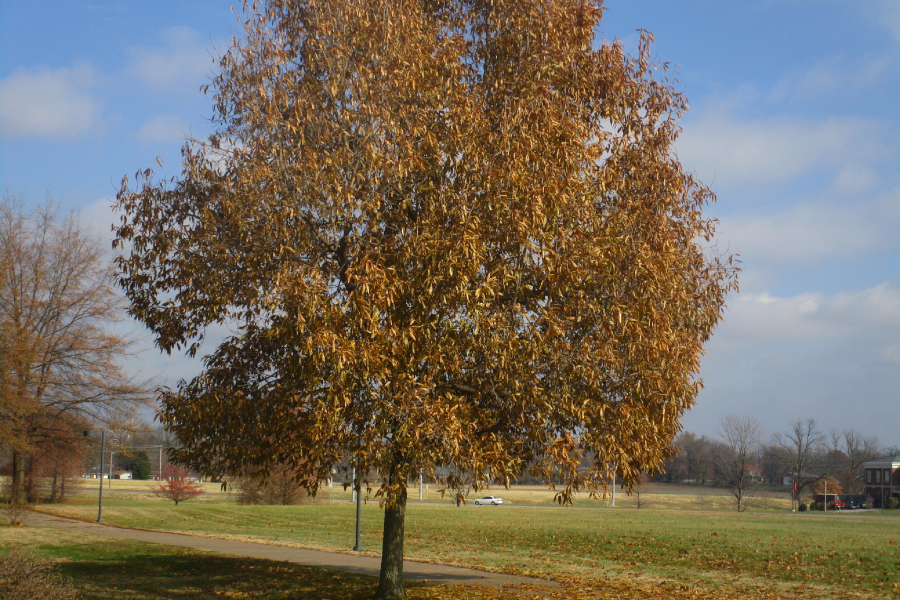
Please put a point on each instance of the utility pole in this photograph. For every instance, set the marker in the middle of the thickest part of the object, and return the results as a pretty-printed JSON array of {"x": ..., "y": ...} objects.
[
  {"x": 614, "y": 485},
  {"x": 102, "y": 435},
  {"x": 358, "y": 546}
]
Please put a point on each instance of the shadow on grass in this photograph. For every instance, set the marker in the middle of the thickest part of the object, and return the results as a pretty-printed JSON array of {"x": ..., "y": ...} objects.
[{"x": 110, "y": 571}]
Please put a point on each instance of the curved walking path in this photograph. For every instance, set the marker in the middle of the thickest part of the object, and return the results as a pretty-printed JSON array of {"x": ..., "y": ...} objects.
[{"x": 353, "y": 563}]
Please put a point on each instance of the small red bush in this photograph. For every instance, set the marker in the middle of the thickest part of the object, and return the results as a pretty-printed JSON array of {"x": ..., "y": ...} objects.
[{"x": 177, "y": 485}]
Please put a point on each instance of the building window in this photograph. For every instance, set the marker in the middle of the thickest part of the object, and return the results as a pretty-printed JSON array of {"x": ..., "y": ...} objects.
[
  {"x": 868, "y": 476},
  {"x": 887, "y": 476},
  {"x": 877, "y": 476}
]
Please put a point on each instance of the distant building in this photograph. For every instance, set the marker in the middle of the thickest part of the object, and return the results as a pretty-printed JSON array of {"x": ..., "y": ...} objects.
[{"x": 882, "y": 479}]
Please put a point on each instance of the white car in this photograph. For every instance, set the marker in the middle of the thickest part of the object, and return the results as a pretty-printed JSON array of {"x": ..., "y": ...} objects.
[{"x": 489, "y": 500}]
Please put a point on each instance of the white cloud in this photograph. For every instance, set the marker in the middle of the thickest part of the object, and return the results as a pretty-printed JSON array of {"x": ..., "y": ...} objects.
[
  {"x": 809, "y": 317},
  {"x": 814, "y": 230},
  {"x": 726, "y": 150},
  {"x": 164, "y": 128},
  {"x": 184, "y": 63},
  {"x": 98, "y": 219},
  {"x": 47, "y": 103},
  {"x": 834, "y": 76},
  {"x": 832, "y": 357}
]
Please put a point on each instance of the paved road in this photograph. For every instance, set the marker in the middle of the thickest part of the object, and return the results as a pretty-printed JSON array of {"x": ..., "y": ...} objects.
[{"x": 353, "y": 563}]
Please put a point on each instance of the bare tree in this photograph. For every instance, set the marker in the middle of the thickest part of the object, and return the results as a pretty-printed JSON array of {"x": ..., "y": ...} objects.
[
  {"x": 694, "y": 461},
  {"x": 852, "y": 449},
  {"x": 279, "y": 486},
  {"x": 801, "y": 448},
  {"x": 742, "y": 437},
  {"x": 58, "y": 358}
]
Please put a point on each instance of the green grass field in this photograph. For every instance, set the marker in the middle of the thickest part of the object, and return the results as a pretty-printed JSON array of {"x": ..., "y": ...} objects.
[
  {"x": 102, "y": 569},
  {"x": 715, "y": 552}
]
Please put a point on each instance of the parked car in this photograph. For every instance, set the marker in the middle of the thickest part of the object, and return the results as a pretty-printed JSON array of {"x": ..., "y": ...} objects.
[
  {"x": 836, "y": 505},
  {"x": 493, "y": 500}
]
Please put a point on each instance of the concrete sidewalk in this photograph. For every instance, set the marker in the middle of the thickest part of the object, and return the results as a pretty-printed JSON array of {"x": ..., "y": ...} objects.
[{"x": 353, "y": 563}]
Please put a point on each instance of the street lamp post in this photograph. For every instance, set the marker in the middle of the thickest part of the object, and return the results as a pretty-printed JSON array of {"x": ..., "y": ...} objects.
[
  {"x": 102, "y": 435},
  {"x": 112, "y": 461},
  {"x": 358, "y": 484}
]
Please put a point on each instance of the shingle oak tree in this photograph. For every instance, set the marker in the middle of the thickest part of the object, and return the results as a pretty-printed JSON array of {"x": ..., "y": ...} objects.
[{"x": 443, "y": 233}]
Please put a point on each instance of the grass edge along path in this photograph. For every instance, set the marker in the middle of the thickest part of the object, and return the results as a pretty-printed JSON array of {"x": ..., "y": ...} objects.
[
  {"x": 338, "y": 561},
  {"x": 719, "y": 552},
  {"x": 103, "y": 568}
]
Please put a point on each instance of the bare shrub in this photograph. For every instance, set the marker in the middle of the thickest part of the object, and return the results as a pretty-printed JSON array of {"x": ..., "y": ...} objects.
[
  {"x": 280, "y": 486},
  {"x": 640, "y": 499},
  {"x": 24, "y": 576},
  {"x": 13, "y": 512}
]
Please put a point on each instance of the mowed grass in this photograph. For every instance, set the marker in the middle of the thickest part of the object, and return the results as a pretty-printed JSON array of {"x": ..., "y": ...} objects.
[
  {"x": 101, "y": 568},
  {"x": 835, "y": 555},
  {"x": 657, "y": 496}
]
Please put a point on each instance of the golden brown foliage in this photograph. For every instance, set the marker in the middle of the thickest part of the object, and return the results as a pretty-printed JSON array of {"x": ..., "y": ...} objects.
[
  {"x": 443, "y": 233},
  {"x": 828, "y": 485}
]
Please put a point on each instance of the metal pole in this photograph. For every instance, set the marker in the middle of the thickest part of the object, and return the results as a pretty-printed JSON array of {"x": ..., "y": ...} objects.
[
  {"x": 614, "y": 485},
  {"x": 353, "y": 488},
  {"x": 358, "y": 546},
  {"x": 100, "y": 497},
  {"x": 420, "y": 487},
  {"x": 112, "y": 454},
  {"x": 825, "y": 508}
]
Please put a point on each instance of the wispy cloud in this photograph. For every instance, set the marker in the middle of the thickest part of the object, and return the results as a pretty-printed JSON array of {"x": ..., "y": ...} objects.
[
  {"x": 48, "y": 103},
  {"x": 834, "y": 75},
  {"x": 810, "y": 317},
  {"x": 164, "y": 128},
  {"x": 762, "y": 151},
  {"x": 826, "y": 356},
  {"x": 887, "y": 13},
  {"x": 184, "y": 62},
  {"x": 814, "y": 230}
]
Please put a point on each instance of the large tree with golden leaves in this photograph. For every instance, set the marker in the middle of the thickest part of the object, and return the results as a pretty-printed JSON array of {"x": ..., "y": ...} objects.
[{"x": 442, "y": 232}]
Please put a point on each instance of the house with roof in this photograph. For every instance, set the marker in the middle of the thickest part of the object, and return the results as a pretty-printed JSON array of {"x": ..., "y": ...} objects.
[{"x": 882, "y": 479}]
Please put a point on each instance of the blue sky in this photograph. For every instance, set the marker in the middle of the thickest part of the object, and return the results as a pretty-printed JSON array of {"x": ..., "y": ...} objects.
[{"x": 794, "y": 122}]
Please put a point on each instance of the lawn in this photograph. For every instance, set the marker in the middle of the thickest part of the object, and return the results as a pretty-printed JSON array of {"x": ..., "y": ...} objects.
[
  {"x": 101, "y": 568},
  {"x": 658, "y": 496},
  {"x": 761, "y": 552}
]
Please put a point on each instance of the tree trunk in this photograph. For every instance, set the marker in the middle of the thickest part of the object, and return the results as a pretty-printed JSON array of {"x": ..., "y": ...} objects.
[
  {"x": 390, "y": 583},
  {"x": 17, "y": 495},
  {"x": 54, "y": 488}
]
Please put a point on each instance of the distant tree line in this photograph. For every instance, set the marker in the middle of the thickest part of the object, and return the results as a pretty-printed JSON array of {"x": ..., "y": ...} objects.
[{"x": 741, "y": 458}]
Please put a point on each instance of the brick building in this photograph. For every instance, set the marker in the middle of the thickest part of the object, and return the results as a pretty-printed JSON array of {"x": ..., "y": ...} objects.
[{"x": 882, "y": 479}]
